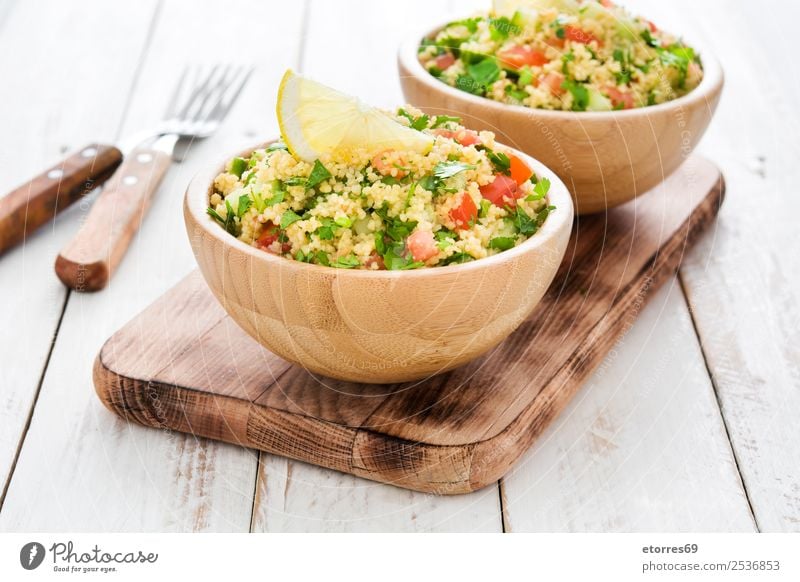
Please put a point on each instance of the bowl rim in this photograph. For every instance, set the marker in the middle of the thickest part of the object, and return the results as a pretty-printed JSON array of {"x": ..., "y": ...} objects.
[
  {"x": 712, "y": 81},
  {"x": 196, "y": 203}
]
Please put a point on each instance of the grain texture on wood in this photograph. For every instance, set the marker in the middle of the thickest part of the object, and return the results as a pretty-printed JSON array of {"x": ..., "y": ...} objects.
[
  {"x": 39, "y": 200},
  {"x": 88, "y": 261},
  {"x": 453, "y": 433},
  {"x": 41, "y": 126},
  {"x": 82, "y": 468},
  {"x": 743, "y": 283},
  {"x": 641, "y": 448}
]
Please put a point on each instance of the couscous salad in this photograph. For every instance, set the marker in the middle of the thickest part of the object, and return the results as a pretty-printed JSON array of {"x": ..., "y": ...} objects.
[
  {"x": 578, "y": 55},
  {"x": 427, "y": 193}
]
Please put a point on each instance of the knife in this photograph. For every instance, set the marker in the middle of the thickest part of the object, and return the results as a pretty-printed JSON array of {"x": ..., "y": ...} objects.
[{"x": 38, "y": 201}]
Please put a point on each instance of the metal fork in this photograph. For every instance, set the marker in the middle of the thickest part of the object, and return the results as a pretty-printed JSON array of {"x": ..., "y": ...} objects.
[{"x": 201, "y": 100}]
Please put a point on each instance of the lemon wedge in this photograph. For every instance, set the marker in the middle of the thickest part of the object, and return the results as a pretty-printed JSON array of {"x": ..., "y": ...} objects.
[{"x": 315, "y": 119}]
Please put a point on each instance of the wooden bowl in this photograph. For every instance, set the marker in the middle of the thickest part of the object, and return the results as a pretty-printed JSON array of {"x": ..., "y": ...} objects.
[
  {"x": 605, "y": 158},
  {"x": 376, "y": 326}
]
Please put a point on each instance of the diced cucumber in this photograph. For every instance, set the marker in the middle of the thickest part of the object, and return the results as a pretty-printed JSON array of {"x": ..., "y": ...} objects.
[{"x": 598, "y": 101}]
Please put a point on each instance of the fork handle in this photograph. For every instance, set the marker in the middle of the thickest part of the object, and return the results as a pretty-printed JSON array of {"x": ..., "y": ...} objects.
[
  {"x": 87, "y": 262},
  {"x": 36, "y": 202}
]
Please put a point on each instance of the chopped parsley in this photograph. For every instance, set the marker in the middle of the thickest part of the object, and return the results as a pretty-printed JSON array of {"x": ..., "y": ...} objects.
[
  {"x": 580, "y": 94},
  {"x": 440, "y": 120},
  {"x": 500, "y": 161},
  {"x": 444, "y": 170},
  {"x": 319, "y": 173},
  {"x": 238, "y": 166},
  {"x": 346, "y": 262},
  {"x": 289, "y": 217}
]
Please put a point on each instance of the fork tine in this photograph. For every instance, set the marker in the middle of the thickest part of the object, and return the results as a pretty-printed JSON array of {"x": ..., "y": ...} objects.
[
  {"x": 173, "y": 102},
  {"x": 215, "y": 93},
  {"x": 198, "y": 93},
  {"x": 223, "y": 107}
]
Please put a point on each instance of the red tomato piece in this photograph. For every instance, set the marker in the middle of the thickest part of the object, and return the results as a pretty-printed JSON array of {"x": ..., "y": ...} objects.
[
  {"x": 555, "y": 42},
  {"x": 607, "y": 3},
  {"x": 465, "y": 137},
  {"x": 516, "y": 57},
  {"x": 269, "y": 236},
  {"x": 653, "y": 27},
  {"x": 576, "y": 34},
  {"x": 502, "y": 191},
  {"x": 620, "y": 98},
  {"x": 445, "y": 61},
  {"x": 422, "y": 245},
  {"x": 520, "y": 172},
  {"x": 385, "y": 167},
  {"x": 465, "y": 213},
  {"x": 553, "y": 81}
]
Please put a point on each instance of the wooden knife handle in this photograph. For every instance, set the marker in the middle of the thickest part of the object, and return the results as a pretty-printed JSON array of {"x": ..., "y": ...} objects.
[
  {"x": 87, "y": 262},
  {"x": 36, "y": 202}
]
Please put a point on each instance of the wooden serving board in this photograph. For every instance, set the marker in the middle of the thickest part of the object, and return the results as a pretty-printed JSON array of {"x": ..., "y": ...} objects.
[{"x": 183, "y": 365}]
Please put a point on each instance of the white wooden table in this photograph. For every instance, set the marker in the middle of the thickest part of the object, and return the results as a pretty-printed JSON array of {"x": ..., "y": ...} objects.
[{"x": 691, "y": 423}]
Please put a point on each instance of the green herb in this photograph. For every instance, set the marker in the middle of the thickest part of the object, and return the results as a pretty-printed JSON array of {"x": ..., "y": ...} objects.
[
  {"x": 440, "y": 120},
  {"x": 418, "y": 123},
  {"x": 650, "y": 39},
  {"x": 469, "y": 85},
  {"x": 243, "y": 206},
  {"x": 517, "y": 94},
  {"x": 251, "y": 175},
  {"x": 238, "y": 166},
  {"x": 253, "y": 161},
  {"x": 411, "y": 190},
  {"x": 444, "y": 170},
  {"x": 396, "y": 229},
  {"x": 325, "y": 232},
  {"x": 228, "y": 223},
  {"x": 527, "y": 225},
  {"x": 539, "y": 191},
  {"x": 624, "y": 76},
  {"x": 319, "y": 173},
  {"x": 278, "y": 194},
  {"x": 444, "y": 238},
  {"x": 278, "y": 145},
  {"x": 380, "y": 244},
  {"x": 390, "y": 180},
  {"x": 458, "y": 259},
  {"x": 501, "y": 28},
  {"x": 678, "y": 56},
  {"x": 483, "y": 211},
  {"x": 289, "y": 217},
  {"x": 295, "y": 181},
  {"x": 560, "y": 33},
  {"x": 485, "y": 72},
  {"x": 500, "y": 161},
  {"x": 502, "y": 243},
  {"x": 525, "y": 77},
  {"x": 346, "y": 262},
  {"x": 395, "y": 258},
  {"x": 429, "y": 183},
  {"x": 580, "y": 94}
]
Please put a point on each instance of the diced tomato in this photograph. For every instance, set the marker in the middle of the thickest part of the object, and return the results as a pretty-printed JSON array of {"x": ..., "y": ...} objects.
[
  {"x": 576, "y": 34},
  {"x": 465, "y": 137},
  {"x": 516, "y": 57},
  {"x": 465, "y": 213},
  {"x": 385, "y": 167},
  {"x": 620, "y": 98},
  {"x": 375, "y": 259},
  {"x": 268, "y": 240},
  {"x": 607, "y": 3},
  {"x": 502, "y": 191},
  {"x": 653, "y": 27},
  {"x": 422, "y": 245},
  {"x": 555, "y": 42},
  {"x": 520, "y": 172},
  {"x": 553, "y": 81},
  {"x": 445, "y": 61}
]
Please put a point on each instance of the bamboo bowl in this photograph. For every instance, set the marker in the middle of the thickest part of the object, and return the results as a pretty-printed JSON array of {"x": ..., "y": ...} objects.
[
  {"x": 605, "y": 158},
  {"x": 376, "y": 326}
]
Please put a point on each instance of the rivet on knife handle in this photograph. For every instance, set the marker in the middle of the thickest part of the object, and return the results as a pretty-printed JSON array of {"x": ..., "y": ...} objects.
[
  {"x": 87, "y": 262},
  {"x": 36, "y": 202}
]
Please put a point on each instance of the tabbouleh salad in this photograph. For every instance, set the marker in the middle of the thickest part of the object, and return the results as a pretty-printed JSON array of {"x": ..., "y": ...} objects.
[
  {"x": 579, "y": 55},
  {"x": 466, "y": 199}
]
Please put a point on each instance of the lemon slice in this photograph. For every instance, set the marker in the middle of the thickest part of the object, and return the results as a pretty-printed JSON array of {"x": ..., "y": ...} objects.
[{"x": 315, "y": 119}]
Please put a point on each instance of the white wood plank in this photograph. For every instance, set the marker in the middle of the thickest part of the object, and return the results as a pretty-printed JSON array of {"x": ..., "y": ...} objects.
[
  {"x": 50, "y": 107},
  {"x": 81, "y": 467},
  {"x": 641, "y": 448},
  {"x": 297, "y": 497},
  {"x": 743, "y": 283},
  {"x": 293, "y": 496}
]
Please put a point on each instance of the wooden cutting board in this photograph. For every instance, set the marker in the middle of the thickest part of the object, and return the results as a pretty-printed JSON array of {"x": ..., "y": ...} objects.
[{"x": 183, "y": 365}]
